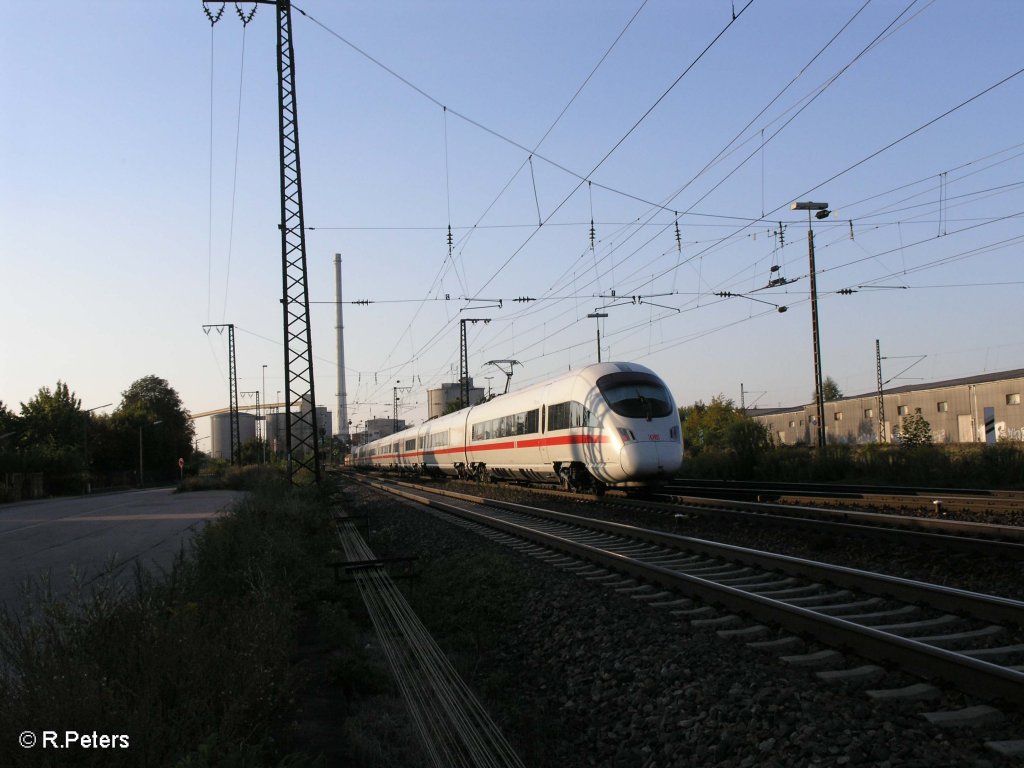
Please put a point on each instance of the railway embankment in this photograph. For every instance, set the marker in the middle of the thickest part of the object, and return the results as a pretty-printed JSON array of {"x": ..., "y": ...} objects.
[{"x": 585, "y": 675}]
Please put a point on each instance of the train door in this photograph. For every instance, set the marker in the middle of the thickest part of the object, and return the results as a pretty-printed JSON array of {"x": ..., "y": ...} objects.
[{"x": 542, "y": 447}]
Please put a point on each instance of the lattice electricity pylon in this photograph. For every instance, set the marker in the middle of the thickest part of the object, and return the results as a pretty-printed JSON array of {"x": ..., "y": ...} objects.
[
  {"x": 236, "y": 435},
  {"x": 302, "y": 438},
  {"x": 302, "y": 435}
]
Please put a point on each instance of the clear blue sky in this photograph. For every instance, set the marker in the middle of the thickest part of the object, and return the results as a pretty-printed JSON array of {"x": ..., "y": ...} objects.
[{"x": 140, "y": 193}]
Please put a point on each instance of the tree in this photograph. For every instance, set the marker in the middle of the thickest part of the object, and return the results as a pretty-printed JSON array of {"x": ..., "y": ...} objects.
[
  {"x": 152, "y": 411},
  {"x": 915, "y": 430},
  {"x": 705, "y": 425},
  {"x": 830, "y": 390},
  {"x": 52, "y": 420},
  {"x": 10, "y": 425}
]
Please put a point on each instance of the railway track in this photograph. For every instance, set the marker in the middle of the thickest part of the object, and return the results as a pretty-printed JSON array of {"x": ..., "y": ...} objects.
[
  {"x": 971, "y": 641},
  {"x": 994, "y": 540},
  {"x": 937, "y": 501}
]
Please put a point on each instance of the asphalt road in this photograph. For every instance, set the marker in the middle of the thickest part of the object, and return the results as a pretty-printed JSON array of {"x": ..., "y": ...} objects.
[{"x": 73, "y": 539}]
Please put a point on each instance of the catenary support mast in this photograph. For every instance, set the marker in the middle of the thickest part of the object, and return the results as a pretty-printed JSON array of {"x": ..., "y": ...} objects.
[
  {"x": 302, "y": 437},
  {"x": 236, "y": 434}
]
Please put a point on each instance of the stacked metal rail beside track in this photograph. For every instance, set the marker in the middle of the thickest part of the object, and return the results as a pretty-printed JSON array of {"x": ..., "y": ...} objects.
[{"x": 454, "y": 727}]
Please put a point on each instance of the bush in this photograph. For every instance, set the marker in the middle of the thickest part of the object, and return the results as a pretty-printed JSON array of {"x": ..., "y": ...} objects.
[
  {"x": 194, "y": 668},
  {"x": 965, "y": 466}
]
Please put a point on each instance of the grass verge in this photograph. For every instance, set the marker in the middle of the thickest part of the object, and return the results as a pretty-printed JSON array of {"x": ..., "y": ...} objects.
[{"x": 189, "y": 669}]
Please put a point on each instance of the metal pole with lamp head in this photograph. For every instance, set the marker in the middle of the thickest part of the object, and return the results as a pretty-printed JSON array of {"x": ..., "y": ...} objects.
[{"x": 821, "y": 212}]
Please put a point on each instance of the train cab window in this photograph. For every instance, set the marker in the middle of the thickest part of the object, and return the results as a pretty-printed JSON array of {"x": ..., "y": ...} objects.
[{"x": 635, "y": 395}]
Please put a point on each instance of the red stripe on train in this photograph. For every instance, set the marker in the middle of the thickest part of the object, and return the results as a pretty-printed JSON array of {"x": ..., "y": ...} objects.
[{"x": 510, "y": 445}]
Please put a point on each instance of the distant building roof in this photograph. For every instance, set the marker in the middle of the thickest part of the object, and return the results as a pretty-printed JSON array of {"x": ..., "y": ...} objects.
[{"x": 981, "y": 378}]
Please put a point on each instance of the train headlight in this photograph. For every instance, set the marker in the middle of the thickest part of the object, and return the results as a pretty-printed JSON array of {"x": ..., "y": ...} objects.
[
  {"x": 674, "y": 433},
  {"x": 626, "y": 435}
]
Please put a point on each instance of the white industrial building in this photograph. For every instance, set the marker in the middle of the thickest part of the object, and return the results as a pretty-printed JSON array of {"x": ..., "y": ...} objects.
[
  {"x": 975, "y": 409},
  {"x": 439, "y": 399}
]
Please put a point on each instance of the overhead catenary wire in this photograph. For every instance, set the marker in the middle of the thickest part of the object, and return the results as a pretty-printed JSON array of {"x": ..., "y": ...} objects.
[
  {"x": 246, "y": 18},
  {"x": 647, "y": 274}
]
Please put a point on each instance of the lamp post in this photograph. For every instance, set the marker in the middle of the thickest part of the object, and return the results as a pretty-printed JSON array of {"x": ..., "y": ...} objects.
[
  {"x": 152, "y": 424},
  {"x": 597, "y": 316},
  {"x": 821, "y": 212},
  {"x": 85, "y": 443}
]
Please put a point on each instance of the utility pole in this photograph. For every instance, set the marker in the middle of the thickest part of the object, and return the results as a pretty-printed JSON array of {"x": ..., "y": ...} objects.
[
  {"x": 598, "y": 316},
  {"x": 236, "y": 438},
  {"x": 464, "y": 357},
  {"x": 257, "y": 394},
  {"x": 395, "y": 390},
  {"x": 821, "y": 212},
  {"x": 882, "y": 437},
  {"x": 302, "y": 437}
]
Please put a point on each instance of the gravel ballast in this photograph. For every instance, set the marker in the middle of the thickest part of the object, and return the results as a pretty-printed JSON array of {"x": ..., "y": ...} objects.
[{"x": 587, "y": 676}]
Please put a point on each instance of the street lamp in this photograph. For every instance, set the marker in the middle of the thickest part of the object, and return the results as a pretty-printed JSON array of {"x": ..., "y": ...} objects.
[
  {"x": 152, "y": 424},
  {"x": 597, "y": 316},
  {"x": 821, "y": 212}
]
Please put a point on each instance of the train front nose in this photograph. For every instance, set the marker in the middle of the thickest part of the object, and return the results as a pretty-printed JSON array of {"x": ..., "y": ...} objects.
[{"x": 647, "y": 460}]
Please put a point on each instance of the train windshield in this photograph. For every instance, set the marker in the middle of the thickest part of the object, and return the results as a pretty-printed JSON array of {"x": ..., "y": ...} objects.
[{"x": 636, "y": 395}]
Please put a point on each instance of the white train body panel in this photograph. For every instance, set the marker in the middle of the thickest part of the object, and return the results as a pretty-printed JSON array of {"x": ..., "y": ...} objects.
[{"x": 618, "y": 421}]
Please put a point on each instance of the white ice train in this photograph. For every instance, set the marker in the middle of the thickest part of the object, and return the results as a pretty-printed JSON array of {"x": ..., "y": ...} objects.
[{"x": 605, "y": 425}]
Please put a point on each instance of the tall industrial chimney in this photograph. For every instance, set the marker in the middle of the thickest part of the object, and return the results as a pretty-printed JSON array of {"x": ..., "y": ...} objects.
[{"x": 342, "y": 430}]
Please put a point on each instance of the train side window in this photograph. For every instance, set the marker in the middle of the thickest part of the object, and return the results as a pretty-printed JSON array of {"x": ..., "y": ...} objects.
[
  {"x": 559, "y": 416},
  {"x": 569, "y": 415},
  {"x": 581, "y": 416}
]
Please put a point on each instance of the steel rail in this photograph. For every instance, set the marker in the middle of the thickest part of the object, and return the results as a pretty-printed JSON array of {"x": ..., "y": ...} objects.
[
  {"x": 974, "y": 676},
  {"x": 964, "y": 528}
]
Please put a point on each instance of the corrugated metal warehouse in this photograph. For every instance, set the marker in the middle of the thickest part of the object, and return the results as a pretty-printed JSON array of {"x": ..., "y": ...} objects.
[{"x": 975, "y": 409}]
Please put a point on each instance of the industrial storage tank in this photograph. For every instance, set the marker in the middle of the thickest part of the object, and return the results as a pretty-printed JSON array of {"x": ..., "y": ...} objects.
[
  {"x": 277, "y": 424},
  {"x": 220, "y": 433}
]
